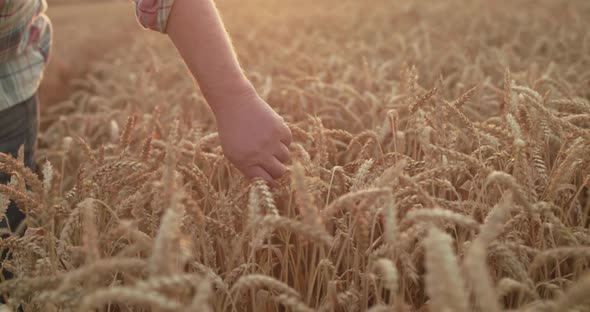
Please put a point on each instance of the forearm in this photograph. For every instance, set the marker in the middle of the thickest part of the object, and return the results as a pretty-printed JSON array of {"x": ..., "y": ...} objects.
[{"x": 198, "y": 33}]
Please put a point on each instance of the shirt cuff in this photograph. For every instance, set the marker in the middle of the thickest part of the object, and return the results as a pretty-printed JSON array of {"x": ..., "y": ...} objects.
[{"x": 153, "y": 14}]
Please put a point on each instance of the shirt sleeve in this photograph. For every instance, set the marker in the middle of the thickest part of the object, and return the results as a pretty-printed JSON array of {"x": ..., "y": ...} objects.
[{"x": 153, "y": 14}]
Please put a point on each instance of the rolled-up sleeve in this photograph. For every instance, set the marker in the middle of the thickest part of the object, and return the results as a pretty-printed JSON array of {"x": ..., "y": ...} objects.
[{"x": 153, "y": 14}]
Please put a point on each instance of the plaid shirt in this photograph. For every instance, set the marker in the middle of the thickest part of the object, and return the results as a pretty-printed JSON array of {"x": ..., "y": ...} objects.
[{"x": 25, "y": 40}]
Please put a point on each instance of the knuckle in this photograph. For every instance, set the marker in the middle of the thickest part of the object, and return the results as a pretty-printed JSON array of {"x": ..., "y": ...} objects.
[
  {"x": 277, "y": 131},
  {"x": 287, "y": 135}
]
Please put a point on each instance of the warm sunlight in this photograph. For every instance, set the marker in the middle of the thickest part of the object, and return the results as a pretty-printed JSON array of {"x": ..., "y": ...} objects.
[{"x": 294, "y": 155}]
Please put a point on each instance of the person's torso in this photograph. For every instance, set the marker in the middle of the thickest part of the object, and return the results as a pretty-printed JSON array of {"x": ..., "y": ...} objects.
[{"x": 25, "y": 40}]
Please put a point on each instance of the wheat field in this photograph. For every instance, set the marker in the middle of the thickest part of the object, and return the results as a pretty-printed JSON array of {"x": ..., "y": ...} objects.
[{"x": 439, "y": 164}]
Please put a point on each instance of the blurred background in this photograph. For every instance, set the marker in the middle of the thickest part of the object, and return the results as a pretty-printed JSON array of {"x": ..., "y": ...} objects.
[{"x": 83, "y": 31}]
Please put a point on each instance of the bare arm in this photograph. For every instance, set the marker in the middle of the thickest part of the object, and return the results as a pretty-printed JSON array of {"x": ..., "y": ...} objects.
[
  {"x": 254, "y": 138},
  {"x": 197, "y": 31}
]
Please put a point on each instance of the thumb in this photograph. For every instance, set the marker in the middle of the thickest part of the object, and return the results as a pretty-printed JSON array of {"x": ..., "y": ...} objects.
[{"x": 254, "y": 172}]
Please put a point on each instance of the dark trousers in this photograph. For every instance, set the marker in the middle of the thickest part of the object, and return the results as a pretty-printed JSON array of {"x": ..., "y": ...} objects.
[{"x": 18, "y": 126}]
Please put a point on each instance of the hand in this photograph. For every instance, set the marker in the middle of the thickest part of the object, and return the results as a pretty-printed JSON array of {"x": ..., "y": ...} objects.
[{"x": 254, "y": 138}]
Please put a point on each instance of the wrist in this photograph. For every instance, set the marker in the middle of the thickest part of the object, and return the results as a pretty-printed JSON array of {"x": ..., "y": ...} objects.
[{"x": 229, "y": 94}]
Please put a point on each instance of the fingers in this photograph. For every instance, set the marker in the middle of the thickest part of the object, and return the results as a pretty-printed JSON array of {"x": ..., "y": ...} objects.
[
  {"x": 286, "y": 136},
  {"x": 267, "y": 156},
  {"x": 271, "y": 170},
  {"x": 283, "y": 154},
  {"x": 258, "y": 172},
  {"x": 274, "y": 167}
]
